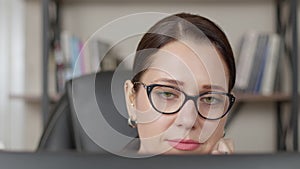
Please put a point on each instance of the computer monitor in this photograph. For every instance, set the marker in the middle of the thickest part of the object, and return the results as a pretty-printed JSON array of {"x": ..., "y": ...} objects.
[{"x": 71, "y": 160}]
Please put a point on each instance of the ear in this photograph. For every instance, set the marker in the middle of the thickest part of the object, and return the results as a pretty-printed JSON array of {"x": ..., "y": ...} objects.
[{"x": 130, "y": 99}]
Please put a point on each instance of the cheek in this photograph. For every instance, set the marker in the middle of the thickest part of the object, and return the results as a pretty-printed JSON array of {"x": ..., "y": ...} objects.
[
  {"x": 144, "y": 112},
  {"x": 156, "y": 128},
  {"x": 212, "y": 130},
  {"x": 142, "y": 101}
]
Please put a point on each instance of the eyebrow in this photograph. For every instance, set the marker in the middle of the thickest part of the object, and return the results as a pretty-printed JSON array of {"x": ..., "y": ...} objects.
[
  {"x": 172, "y": 81},
  {"x": 209, "y": 87},
  {"x": 176, "y": 82}
]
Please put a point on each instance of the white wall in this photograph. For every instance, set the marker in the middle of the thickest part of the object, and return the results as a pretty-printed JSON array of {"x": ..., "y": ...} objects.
[
  {"x": 84, "y": 19},
  {"x": 12, "y": 73},
  {"x": 254, "y": 127},
  {"x": 4, "y": 71},
  {"x": 33, "y": 83}
]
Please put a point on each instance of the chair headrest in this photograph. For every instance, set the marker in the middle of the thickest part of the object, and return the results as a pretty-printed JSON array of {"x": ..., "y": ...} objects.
[{"x": 98, "y": 104}]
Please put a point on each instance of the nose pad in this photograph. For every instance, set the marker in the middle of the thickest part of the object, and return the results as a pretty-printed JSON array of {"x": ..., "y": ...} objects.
[{"x": 187, "y": 116}]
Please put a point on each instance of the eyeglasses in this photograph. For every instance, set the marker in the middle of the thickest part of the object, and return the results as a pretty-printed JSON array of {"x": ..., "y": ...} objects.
[{"x": 166, "y": 99}]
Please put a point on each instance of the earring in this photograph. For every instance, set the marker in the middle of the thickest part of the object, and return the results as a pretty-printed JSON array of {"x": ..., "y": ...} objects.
[{"x": 131, "y": 123}]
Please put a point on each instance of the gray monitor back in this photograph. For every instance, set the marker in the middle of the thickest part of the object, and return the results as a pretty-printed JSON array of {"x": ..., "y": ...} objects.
[{"x": 65, "y": 160}]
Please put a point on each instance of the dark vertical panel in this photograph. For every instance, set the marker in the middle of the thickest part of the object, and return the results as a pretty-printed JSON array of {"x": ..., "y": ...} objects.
[
  {"x": 295, "y": 99},
  {"x": 45, "y": 97}
]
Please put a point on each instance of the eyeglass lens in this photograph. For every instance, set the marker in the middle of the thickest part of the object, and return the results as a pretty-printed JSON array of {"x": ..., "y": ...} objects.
[{"x": 169, "y": 100}]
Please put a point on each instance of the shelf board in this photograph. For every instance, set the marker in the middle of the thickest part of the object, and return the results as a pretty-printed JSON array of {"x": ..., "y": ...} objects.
[
  {"x": 34, "y": 99},
  {"x": 276, "y": 97}
]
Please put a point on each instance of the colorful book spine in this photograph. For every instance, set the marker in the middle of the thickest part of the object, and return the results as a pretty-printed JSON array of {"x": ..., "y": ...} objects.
[{"x": 258, "y": 63}]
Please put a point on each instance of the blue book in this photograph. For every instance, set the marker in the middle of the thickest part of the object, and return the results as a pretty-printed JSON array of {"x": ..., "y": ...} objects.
[{"x": 262, "y": 64}]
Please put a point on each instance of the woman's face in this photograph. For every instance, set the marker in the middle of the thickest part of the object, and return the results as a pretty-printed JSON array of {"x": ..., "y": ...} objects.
[{"x": 193, "y": 72}]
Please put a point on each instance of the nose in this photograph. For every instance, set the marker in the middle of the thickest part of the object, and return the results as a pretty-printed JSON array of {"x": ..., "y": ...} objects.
[{"x": 187, "y": 116}]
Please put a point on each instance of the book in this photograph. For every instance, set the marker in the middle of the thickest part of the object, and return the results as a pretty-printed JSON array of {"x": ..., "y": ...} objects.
[
  {"x": 98, "y": 50},
  {"x": 271, "y": 66},
  {"x": 246, "y": 60},
  {"x": 74, "y": 58},
  {"x": 258, "y": 63},
  {"x": 66, "y": 50},
  {"x": 59, "y": 66}
]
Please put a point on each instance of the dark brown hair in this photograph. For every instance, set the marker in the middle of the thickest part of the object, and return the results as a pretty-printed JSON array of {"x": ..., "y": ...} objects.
[{"x": 175, "y": 27}]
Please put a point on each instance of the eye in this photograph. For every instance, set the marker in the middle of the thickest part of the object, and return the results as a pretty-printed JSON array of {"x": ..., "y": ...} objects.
[
  {"x": 210, "y": 100},
  {"x": 167, "y": 95}
]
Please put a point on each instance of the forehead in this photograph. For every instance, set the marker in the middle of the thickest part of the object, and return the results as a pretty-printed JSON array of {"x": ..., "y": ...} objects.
[{"x": 197, "y": 64}]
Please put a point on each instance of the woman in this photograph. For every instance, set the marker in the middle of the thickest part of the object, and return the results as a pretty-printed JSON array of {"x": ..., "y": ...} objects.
[{"x": 179, "y": 96}]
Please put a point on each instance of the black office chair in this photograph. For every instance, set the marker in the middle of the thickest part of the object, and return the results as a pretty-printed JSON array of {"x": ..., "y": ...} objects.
[{"x": 74, "y": 122}]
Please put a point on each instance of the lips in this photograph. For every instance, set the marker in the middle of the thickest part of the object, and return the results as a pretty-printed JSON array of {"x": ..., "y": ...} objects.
[{"x": 185, "y": 144}]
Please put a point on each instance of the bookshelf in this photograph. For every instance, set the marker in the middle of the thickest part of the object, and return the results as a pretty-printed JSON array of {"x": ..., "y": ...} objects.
[
  {"x": 34, "y": 99},
  {"x": 242, "y": 98},
  {"x": 276, "y": 97},
  {"x": 279, "y": 99}
]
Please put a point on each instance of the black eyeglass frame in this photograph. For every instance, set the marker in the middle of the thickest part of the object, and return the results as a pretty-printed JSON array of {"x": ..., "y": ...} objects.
[{"x": 150, "y": 87}]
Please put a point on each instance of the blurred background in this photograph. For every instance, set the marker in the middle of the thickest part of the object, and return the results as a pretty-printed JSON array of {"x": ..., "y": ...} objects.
[{"x": 254, "y": 127}]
